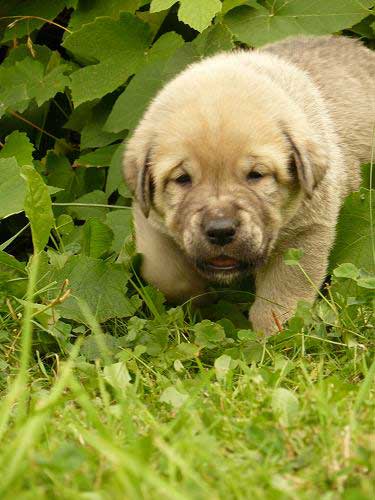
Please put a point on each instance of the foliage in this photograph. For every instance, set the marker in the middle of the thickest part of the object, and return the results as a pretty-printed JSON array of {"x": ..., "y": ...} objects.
[{"x": 108, "y": 389}]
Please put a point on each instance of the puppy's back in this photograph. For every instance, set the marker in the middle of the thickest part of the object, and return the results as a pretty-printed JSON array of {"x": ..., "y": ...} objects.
[{"x": 344, "y": 72}]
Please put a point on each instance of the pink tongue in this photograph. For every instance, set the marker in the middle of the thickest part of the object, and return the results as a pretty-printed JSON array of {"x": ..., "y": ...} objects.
[{"x": 223, "y": 262}]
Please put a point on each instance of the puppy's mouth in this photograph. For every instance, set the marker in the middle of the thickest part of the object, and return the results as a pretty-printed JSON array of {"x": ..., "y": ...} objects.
[{"x": 222, "y": 264}]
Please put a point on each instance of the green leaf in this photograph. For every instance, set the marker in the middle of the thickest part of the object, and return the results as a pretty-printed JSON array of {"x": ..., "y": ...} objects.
[
  {"x": 208, "y": 334},
  {"x": 257, "y": 27},
  {"x": 121, "y": 223},
  {"x": 40, "y": 84},
  {"x": 355, "y": 241},
  {"x": 115, "y": 177},
  {"x": 38, "y": 207},
  {"x": 11, "y": 262},
  {"x": 12, "y": 188},
  {"x": 198, "y": 14},
  {"x": 88, "y": 10},
  {"x": 195, "y": 13},
  {"x": 17, "y": 144},
  {"x": 117, "y": 375},
  {"x": 96, "y": 238},
  {"x": 215, "y": 39},
  {"x": 173, "y": 397},
  {"x": 285, "y": 405},
  {"x": 28, "y": 8},
  {"x": 347, "y": 270},
  {"x": 101, "y": 157},
  {"x": 100, "y": 284},
  {"x": 293, "y": 256},
  {"x": 120, "y": 53},
  {"x": 94, "y": 198},
  {"x": 222, "y": 366}
]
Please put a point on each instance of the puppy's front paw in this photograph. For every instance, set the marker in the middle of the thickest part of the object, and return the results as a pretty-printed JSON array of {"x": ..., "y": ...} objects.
[{"x": 265, "y": 319}]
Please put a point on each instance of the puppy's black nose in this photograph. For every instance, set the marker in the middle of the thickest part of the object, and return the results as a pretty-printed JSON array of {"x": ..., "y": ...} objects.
[{"x": 221, "y": 231}]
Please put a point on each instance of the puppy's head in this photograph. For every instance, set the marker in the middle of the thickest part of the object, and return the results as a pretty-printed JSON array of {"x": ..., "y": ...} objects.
[{"x": 222, "y": 160}]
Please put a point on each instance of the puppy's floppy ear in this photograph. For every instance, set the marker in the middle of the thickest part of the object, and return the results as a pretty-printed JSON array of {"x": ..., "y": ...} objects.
[
  {"x": 140, "y": 181},
  {"x": 308, "y": 161}
]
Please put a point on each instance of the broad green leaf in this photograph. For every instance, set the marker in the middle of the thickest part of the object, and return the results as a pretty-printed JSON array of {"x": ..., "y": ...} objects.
[
  {"x": 293, "y": 256},
  {"x": 285, "y": 405},
  {"x": 222, "y": 366},
  {"x": 100, "y": 284},
  {"x": 88, "y": 10},
  {"x": 11, "y": 262},
  {"x": 99, "y": 158},
  {"x": 208, "y": 334},
  {"x": 17, "y": 144},
  {"x": 12, "y": 188},
  {"x": 121, "y": 223},
  {"x": 40, "y": 84},
  {"x": 173, "y": 397},
  {"x": 92, "y": 133},
  {"x": 131, "y": 104},
  {"x": 99, "y": 346},
  {"x": 38, "y": 207},
  {"x": 195, "y": 13},
  {"x": 117, "y": 375},
  {"x": 257, "y": 27},
  {"x": 96, "y": 238},
  {"x": 115, "y": 177},
  {"x": 119, "y": 54},
  {"x": 355, "y": 241},
  {"x": 39, "y": 8},
  {"x": 164, "y": 47},
  {"x": 86, "y": 212},
  {"x": 232, "y": 4},
  {"x": 198, "y": 14},
  {"x": 346, "y": 270},
  {"x": 215, "y": 39}
]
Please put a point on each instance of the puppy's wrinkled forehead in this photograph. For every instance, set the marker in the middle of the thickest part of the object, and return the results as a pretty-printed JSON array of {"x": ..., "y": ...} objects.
[{"x": 218, "y": 127}]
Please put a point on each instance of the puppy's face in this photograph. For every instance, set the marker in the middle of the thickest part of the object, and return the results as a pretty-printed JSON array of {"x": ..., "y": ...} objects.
[{"x": 222, "y": 173}]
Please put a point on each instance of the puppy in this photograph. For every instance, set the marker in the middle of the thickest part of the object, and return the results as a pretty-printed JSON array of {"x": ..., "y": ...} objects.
[{"x": 244, "y": 155}]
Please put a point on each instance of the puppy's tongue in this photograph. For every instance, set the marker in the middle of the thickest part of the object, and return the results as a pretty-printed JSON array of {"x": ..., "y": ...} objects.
[{"x": 223, "y": 262}]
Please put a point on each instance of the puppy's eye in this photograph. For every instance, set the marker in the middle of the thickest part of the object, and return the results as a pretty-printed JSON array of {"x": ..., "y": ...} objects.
[
  {"x": 183, "y": 179},
  {"x": 254, "y": 175}
]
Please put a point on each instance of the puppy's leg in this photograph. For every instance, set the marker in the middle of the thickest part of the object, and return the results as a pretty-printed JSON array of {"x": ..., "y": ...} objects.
[
  {"x": 279, "y": 287},
  {"x": 164, "y": 265}
]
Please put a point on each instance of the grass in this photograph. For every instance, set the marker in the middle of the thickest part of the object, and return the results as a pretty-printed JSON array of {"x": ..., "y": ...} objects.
[{"x": 295, "y": 422}]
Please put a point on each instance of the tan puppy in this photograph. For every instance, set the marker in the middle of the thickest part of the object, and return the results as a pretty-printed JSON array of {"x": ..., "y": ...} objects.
[{"x": 244, "y": 155}]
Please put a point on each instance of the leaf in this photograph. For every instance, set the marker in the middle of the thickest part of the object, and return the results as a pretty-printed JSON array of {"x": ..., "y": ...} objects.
[
  {"x": 101, "y": 157},
  {"x": 293, "y": 256},
  {"x": 94, "y": 198},
  {"x": 222, "y": 366},
  {"x": 100, "y": 284},
  {"x": 17, "y": 144},
  {"x": 88, "y": 10},
  {"x": 195, "y": 13},
  {"x": 40, "y": 84},
  {"x": 215, "y": 39},
  {"x": 118, "y": 47},
  {"x": 208, "y": 334},
  {"x": 11, "y": 262},
  {"x": 346, "y": 270},
  {"x": 96, "y": 238},
  {"x": 120, "y": 221},
  {"x": 38, "y": 207},
  {"x": 99, "y": 346},
  {"x": 173, "y": 397},
  {"x": 295, "y": 17},
  {"x": 131, "y": 104},
  {"x": 40, "y": 8},
  {"x": 117, "y": 375},
  {"x": 355, "y": 235},
  {"x": 285, "y": 405},
  {"x": 115, "y": 177},
  {"x": 12, "y": 188}
]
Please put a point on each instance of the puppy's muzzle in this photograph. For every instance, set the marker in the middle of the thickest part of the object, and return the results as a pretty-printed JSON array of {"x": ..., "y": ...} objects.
[{"x": 221, "y": 230}]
